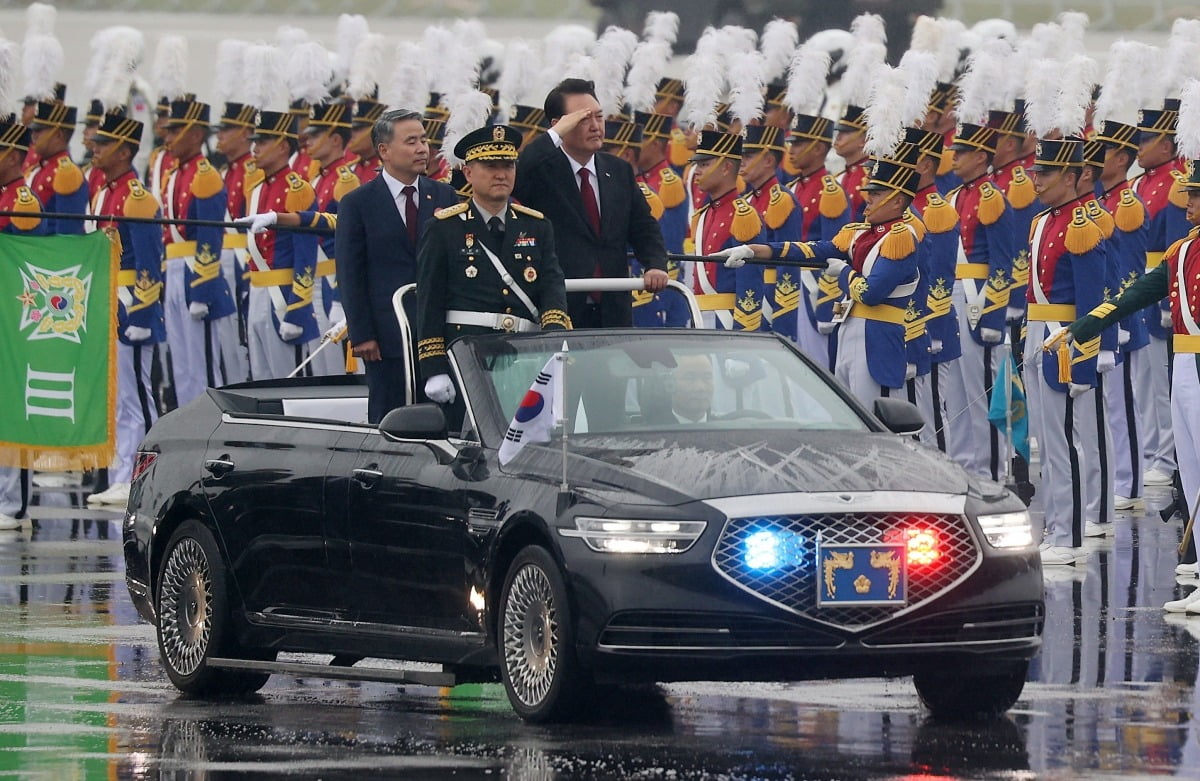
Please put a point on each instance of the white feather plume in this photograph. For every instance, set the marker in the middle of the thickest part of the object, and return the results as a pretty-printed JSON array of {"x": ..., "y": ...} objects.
[
  {"x": 661, "y": 26},
  {"x": 228, "y": 87},
  {"x": 125, "y": 47},
  {"x": 978, "y": 89},
  {"x": 1183, "y": 51},
  {"x": 1041, "y": 97},
  {"x": 409, "y": 87},
  {"x": 1128, "y": 66},
  {"x": 261, "y": 65},
  {"x": 39, "y": 19},
  {"x": 10, "y": 97},
  {"x": 564, "y": 43},
  {"x": 703, "y": 81},
  {"x": 1188, "y": 131},
  {"x": 926, "y": 35},
  {"x": 170, "y": 66},
  {"x": 1074, "y": 26},
  {"x": 610, "y": 60},
  {"x": 97, "y": 46},
  {"x": 307, "y": 75},
  {"x": 778, "y": 43},
  {"x": 41, "y": 62},
  {"x": 862, "y": 61},
  {"x": 469, "y": 111},
  {"x": 737, "y": 39},
  {"x": 351, "y": 29},
  {"x": 950, "y": 48},
  {"x": 884, "y": 111},
  {"x": 921, "y": 68},
  {"x": 1044, "y": 39},
  {"x": 521, "y": 77},
  {"x": 869, "y": 28},
  {"x": 287, "y": 38},
  {"x": 992, "y": 29},
  {"x": 748, "y": 77},
  {"x": 470, "y": 31},
  {"x": 806, "y": 79},
  {"x": 1077, "y": 79},
  {"x": 366, "y": 66},
  {"x": 648, "y": 65}
]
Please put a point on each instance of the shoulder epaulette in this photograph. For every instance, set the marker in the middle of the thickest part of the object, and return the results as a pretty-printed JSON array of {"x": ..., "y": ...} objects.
[
  {"x": 68, "y": 177},
  {"x": 1178, "y": 196},
  {"x": 670, "y": 189},
  {"x": 677, "y": 149},
  {"x": 254, "y": 177},
  {"x": 847, "y": 233},
  {"x": 991, "y": 204},
  {"x": 899, "y": 243},
  {"x": 1021, "y": 192},
  {"x": 1173, "y": 250},
  {"x": 300, "y": 194},
  {"x": 746, "y": 224},
  {"x": 652, "y": 200},
  {"x": 207, "y": 182},
  {"x": 519, "y": 209},
  {"x": 346, "y": 182},
  {"x": 833, "y": 202},
  {"x": 314, "y": 168},
  {"x": 939, "y": 216},
  {"x": 139, "y": 202},
  {"x": 1099, "y": 215},
  {"x": 913, "y": 221},
  {"x": 779, "y": 207},
  {"x": 1083, "y": 235},
  {"x": 457, "y": 208},
  {"x": 26, "y": 202},
  {"x": 1130, "y": 214}
]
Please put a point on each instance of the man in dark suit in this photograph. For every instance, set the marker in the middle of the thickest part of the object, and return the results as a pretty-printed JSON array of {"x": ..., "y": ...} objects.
[
  {"x": 594, "y": 203},
  {"x": 377, "y": 231}
]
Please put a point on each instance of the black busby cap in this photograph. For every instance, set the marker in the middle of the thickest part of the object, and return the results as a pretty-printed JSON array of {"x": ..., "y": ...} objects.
[
  {"x": 1007, "y": 122},
  {"x": 238, "y": 115},
  {"x": 714, "y": 143},
  {"x": 669, "y": 88},
  {"x": 760, "y": 137},
  {"x": 852, "y": 120},
  {"x": 435, "y": 131},
  {"x": 893, "y": 175},
  {"x": 943, "y": 96},
  {"x": 95, "y": 113},
  {"x": 926, "y": 142},
  {"x": 654, "y": 126},
  {"x": 812, "y": 128},
  {"x": 1118, "y": 134},
  {"x": 775, "y": 92},
  {"x": 118, "y": 128},
  {"x": 1192, "y": 183},
  {"x": 1093, "y": 152},
  {"x": 1158, "y": 121},
  {"x": 1054, "y": 153},
  {"x": 434, "y": 108},
  {"x": 528, "y": 118},
  {"x": 622, "y": 134},
  {"x": 276, "y": 124},
  {"x": 54, "y": 114},
  {"x": 367, "y": 111},
  {"x": 330, "y": 115},
  {"x": 970, "y": 137},
  {"x": 188, "y": 111},
  {"x": 14, "y": 135},
  {"x": 494, "y": 142}
]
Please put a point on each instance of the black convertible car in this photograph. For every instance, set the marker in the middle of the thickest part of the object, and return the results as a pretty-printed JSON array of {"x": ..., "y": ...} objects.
[{"x": 719, "y": 509}]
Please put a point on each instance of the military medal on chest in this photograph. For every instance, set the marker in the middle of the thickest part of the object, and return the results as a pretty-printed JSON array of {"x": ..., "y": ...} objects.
[
  {"x": 530, "y": 273},
  {"x": 472, "y": 272}
]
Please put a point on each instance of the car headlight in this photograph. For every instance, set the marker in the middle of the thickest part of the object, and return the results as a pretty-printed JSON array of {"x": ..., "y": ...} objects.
[
  {"x": 1007, "y": 530},
  {"x": 607, "y": 535}
]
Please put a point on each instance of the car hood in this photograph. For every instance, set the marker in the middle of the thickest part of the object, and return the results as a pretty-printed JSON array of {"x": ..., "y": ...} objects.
[{"x": 703, "y": 465}]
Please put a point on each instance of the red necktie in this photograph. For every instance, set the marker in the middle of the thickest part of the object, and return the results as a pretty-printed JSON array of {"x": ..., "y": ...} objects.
[
  {"x": 590, "y": 208},
  {"x": 410, "y": 212}
]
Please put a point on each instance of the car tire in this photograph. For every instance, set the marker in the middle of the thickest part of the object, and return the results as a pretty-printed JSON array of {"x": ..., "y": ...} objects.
[
  {"x": 955, "y": 695},
  {"x": 191, "y": 596},
  {"x": 536, "y": 637}
]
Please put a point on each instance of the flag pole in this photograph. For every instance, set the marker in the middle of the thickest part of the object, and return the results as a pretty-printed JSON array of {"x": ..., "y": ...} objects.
[{"x": 564, "y": 490}]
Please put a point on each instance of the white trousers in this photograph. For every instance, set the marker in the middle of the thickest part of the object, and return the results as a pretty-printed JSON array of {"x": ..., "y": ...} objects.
[
  {"x": 1154, "y": 405},
  {"x": 270, "y": 357},
  {"x": 194, "y": 346},
  {"x": 851, "y": 367},
  {"x": 331, "y": 360},
  {"x": 13, "y": 496},
  {"x": 972, "y": 441},
  {"x": 1121, "y": 392},
  {"x": 1185, "y": 413},
  {"x": 1066, "y": 434},
  {"x": 135, "y": 406},
  {"x": 1099, "y": 488},
  {"x": 919, "y": 391},
  {"x": 235, "y": 359}
]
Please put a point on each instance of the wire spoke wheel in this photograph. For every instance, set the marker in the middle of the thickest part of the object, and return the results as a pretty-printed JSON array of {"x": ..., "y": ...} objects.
[
  {"x": 185, "y": 607},
  {"x": 531, "y": 635}
]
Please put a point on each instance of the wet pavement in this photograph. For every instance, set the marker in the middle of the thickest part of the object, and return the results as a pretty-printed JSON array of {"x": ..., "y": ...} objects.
[{"x": 82, "y": 694}]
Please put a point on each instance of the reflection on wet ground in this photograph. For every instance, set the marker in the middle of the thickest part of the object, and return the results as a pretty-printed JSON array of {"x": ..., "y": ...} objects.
[{"x": 82, "y": 695}]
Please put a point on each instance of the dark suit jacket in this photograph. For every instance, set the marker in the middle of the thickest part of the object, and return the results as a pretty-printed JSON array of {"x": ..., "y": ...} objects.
[
  {"x": 545, "y": 182},
  {"x": 375, "y": 257}
]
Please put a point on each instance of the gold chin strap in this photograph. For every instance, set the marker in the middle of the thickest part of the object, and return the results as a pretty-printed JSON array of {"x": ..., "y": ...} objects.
[
  {"x": 870, "y": 209},
  {"x": 704, "y": 177},
  {"x": 808, "y": 146}
]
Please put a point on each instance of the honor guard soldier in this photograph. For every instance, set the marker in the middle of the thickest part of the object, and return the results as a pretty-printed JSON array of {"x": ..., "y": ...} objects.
[
  {"x": 139, "y": 292},
  {"x": 161, "y": 161},
  {"x": 486, "y": 265},
  {"x": 983, "y": 276},
  {"x": 825, "y": 209},
  {"x": 233, "y": 142},
  {"x": 1165, "y": 209},
  {"x": 655, "y": 172},
  {"x": 15, "y": 196},
  {"x": 91, "y": 123},
  {"x": 328, "y": 133},
  {"x": 283, "y": 264},
  {"x": 849, "y": 140},
  {"x": 196, "y": 295},
  {"x": 1010, "y": 170},
  {"x": 1066, "y": 275},
  {"x": 301, "y": 161},
  {"x": 56, "y": 181},
  {"x": 366, "y": 112},
  {"x": 437, "y": 169},
  {"x": 730, "y": 298},
  {"x": 763, "y": 152},
  {"x": 1177, "y": 280}
]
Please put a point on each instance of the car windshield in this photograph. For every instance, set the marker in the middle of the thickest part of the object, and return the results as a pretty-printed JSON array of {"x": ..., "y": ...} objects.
[{"x": 619, "y": 383}]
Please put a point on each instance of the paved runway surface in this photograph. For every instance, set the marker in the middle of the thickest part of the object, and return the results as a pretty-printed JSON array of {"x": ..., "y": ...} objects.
[{"x": 82, "y": 695}]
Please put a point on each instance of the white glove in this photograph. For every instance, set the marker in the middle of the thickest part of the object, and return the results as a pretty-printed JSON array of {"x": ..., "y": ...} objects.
[
  {"x": 137, "y": 334},
  {"x": 1164, "y": 319},
  {"x": 1076, "y": 389},
  {"x": 1122, "y": 336},
  {"x": 290, "y": 332},
  {"x": 336, "y": 331},
  {"x": 440, "y": 388},
  {"x": 825, "y": 328},
  {"x": 1051, "y": 338},
  {"x": 1013, "y": 314},
  {"x": 991, "y": 335},
  {"x": 1106, "y": 361},
  {"x": 258, "y": 223},
  {"x": 935, "y": 346},
  {"x": 910, "y": 371},
  {"x": 834, "y": 268},
  {"x": 198, "y": 310},
  {"x": 736, "y": 257},
  {"x": 736, "y": 369},
  {"x": 336, "y": 312}
]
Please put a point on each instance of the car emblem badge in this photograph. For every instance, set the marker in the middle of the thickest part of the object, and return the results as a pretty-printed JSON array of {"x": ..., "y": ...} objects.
[
  {"x": 530, "y": 273},
  {"x": 472, "y": 272},
  {"x": 847, "y": 498}
]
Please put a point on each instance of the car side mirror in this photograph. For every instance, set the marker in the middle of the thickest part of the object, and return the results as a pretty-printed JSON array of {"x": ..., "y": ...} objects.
[
  {"x": 899, "y": 416},
  {"x": 417, "y": 421}
]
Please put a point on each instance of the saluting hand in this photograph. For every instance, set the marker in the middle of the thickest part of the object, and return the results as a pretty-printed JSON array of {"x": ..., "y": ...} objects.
[{"x": 568, "y": 122}]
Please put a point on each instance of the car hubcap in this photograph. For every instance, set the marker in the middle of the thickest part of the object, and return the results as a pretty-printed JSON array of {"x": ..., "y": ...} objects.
[
  {"x": 185, "y": 607},
  {"x": 530, "y": 635}
]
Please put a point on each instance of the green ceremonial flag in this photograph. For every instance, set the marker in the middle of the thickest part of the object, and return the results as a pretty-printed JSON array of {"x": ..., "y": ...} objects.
[{"x": 57, "y": 350}]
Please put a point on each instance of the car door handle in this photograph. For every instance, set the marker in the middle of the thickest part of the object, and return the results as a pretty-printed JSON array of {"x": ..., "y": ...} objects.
[
  {"x": 368, "y": 478},
  {"x": 218, "y": 467}
]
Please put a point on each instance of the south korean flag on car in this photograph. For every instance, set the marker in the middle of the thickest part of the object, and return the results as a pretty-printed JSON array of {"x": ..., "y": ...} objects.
[{"x": 539, "y": 410}]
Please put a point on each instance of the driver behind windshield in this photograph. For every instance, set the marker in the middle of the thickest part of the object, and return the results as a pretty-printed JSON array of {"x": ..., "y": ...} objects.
[{"x": 692, "y": 389}]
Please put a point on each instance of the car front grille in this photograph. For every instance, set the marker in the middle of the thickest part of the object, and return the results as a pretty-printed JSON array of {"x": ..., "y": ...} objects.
[{"x": 794, "y": 587}]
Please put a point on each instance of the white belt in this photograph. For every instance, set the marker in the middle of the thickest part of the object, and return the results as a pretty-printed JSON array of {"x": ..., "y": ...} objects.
[{"x": 494, "y": 320}]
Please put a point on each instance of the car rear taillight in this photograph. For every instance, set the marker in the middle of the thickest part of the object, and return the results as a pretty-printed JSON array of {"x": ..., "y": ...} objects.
[
  {"x": 145, "y": 459},
  {"x": 921, "y": 542}
]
